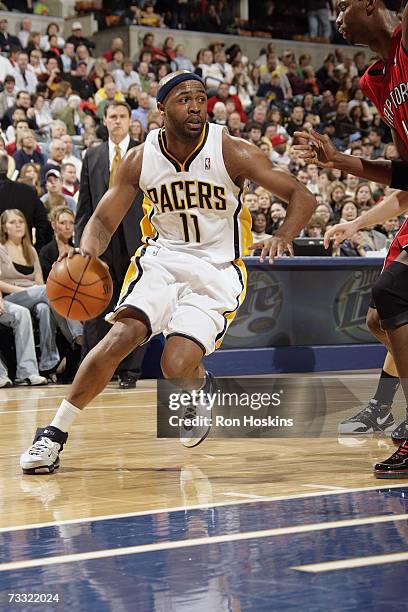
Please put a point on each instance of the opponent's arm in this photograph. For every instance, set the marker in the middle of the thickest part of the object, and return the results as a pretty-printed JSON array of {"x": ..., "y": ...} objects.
[
  {"x": 113, "y": 206},
  {"x": 314, "y": 148},
  {"x": 244, "y": 160},
  {"x": 392, "y": 206}
]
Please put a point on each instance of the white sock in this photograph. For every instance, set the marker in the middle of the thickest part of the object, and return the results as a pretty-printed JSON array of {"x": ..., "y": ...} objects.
[{"x": 66, "y": 415}]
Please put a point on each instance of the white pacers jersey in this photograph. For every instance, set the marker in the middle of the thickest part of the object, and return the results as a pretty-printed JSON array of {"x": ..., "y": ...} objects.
[{"x": 193, "y": 206}]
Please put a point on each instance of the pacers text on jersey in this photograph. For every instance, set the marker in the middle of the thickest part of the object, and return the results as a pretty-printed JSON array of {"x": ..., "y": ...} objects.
[{"x": 184, "y": 195}]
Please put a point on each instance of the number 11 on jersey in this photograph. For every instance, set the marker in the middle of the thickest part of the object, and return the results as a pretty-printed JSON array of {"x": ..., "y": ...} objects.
[{"x": 184, "y": 220}]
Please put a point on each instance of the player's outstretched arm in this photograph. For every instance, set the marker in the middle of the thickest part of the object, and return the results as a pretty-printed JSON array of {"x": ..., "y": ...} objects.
[
  {"x": 317, "y": 149},
  {"x": 113, "y": 206},
  {"x": 245, "y": 161},
  {"x": 392, "y": 206}
]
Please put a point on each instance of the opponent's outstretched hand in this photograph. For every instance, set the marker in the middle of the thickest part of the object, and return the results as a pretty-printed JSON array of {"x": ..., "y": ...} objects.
[
  {"x": 276, "y": 246},
  {"x": 340, "y": 232},
  {"x": 314, "y": 148}
]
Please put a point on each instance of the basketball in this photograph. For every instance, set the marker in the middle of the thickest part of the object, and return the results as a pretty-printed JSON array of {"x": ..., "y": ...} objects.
[{"x": 79, "y": 288}]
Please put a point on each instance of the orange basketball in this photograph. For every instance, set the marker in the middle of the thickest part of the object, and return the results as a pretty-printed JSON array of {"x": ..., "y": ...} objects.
[{"x": 79, "y": 288}]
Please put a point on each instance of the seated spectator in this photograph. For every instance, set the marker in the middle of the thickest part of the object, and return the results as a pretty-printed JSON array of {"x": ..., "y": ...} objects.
[
  {"x": 117, "y": 43},
  {"x": 325, "y": 212},
  {"x": 68, "y": 59},
  {"x": 26, "y": 150},
  {"x": 250, "y": 201},
  {"x": 279, "y": 153},
  {"x": 364, "y": 196},
  {"x": 53, "y": 196},
  {"x": 77, "y": 38},
  {"x": 18, "y": 318},
  {"x": 60, "y": 97},
  {"x": 57, "y": 154},
  {"x": 126, "y": 77},
  {"x": 375, "y": 139},
  {"x": 42, "y": 113},
  {"x": 26, "y": 200},
  {"x": 234, "y": 124},
  {"x": 259, "y": 227},
  {"x": 148, "y": 44},
  {"x": 8, "y": 95},
  {"x": 254, "y": 133},
  {"x": 219, "y": 114},
  {"x": 264, "y": 200},
  {"x": 62, "y": 221},
  {"x": 30, "y": 175},
  {"x": 132, "y": 96},
  {"x": 297, "y": 118},
  {"x": 137, "y": 131},
  {"x": 117, "y": 62},
  {"x": 149, "y": 18},
  {"x": 277, "y": 215},
  {"x": 54, "y": 75},
  {"x": 83, "y": 55},
  {"x": 70, "y": 185},
  {"x": 52, "y": 30},
  {"x": 24, "y": 33},
  {"x": 352, "y": 182},
  {"x": 272, "y": 91},
  {"x": 315, "y": 227},
  {"x": 141, "y": 113},
  {"x": 145, "y": 76},
  {"x": 69, "y": 157},
  {"x": 72, "y": 115},
  {"x": 356, "y": 246},
  {"x": 7, "y": 40},
  {"x": 222, "y": 96},
  {"x": 391, "y": 227},
  {"x": 22, "y": 282},
  {"x": 180, "y": 61},
  {"x": 24, "y": 74},
  {"x": 348, "y": 211},
  {"x": 337, "y": 191}
]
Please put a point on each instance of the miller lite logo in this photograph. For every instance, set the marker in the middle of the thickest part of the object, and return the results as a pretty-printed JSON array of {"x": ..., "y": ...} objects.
[{"x": 207, "y": 163}]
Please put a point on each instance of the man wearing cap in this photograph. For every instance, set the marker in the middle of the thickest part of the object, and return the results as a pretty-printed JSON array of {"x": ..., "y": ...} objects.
[
  {"x": 187, "y": 280},
  {"x": 53, "y": 185},
  {"x": 279, "y": 155},
  {"x": 76, "y": 37}
]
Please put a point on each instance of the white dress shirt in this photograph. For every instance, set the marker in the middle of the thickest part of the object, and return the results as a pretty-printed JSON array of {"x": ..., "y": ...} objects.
[
  {"x": 30, "y": 85},
  {"x": 123, "y": 146}
]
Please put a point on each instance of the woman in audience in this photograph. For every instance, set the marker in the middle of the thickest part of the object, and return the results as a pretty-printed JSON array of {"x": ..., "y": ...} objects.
[
  {"x": 137, "y": 131},
  {"x": 364, "y": 196},
  {"x": 52, "y": 29},
  {"x": 60, "y": 97},
  {"x": 42, "y": 112},
  {"x": 22, "y": 282},
  {"x": 30, "y": 175},
  {"x": 337, "y": 191},
  {"x": 348, "y": 211},
  {"x": 62, "y": 221}
]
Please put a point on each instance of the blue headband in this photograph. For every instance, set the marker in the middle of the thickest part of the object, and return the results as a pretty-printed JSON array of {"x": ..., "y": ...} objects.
[{"x": 179, "y": 78}]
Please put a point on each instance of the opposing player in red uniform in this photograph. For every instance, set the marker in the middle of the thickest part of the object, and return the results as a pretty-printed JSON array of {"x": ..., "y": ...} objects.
[{"x": 375, "y": 23}]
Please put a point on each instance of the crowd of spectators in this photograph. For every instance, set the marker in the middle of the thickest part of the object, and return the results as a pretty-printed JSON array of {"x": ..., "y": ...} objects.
[{"x": 54, "y": 92}]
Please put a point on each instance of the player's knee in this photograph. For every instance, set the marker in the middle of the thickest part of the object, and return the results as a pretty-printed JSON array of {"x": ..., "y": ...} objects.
[
  {"x": 176, "y": 366},
  {"x": 123, "y": 338}
]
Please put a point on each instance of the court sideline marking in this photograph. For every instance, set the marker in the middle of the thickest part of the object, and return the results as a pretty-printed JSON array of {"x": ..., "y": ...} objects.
[
  {"x": 330, "y": 566},
  {"x": 160, "y": 546},
  {"x": 196, "y": 507}
]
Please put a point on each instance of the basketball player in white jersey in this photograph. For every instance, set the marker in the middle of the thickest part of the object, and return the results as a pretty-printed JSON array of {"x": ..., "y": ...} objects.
[{"x": 187, "y": 280}]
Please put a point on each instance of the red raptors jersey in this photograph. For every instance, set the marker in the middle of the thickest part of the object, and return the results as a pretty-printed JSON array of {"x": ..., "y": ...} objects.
[{"x": 386, "y": 85}]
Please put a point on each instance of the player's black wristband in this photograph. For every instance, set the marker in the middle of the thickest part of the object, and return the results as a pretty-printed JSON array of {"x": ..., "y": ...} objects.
[{"x": 399, "y": 173}]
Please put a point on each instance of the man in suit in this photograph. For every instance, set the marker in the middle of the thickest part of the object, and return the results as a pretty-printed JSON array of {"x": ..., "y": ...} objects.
[
  {"x": 98, "y": 171},
  {"x": 25, "y": 198}
]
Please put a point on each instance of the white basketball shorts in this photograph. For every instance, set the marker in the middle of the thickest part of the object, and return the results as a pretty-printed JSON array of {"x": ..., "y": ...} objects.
[{"x": 183, "y": 295}]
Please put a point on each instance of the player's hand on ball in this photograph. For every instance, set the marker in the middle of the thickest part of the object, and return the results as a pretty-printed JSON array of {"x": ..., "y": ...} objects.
[
  {"x": 314, "y": 148},
  {"x": 276, "y": 246},
  {"x": 340, "y": 232}
]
